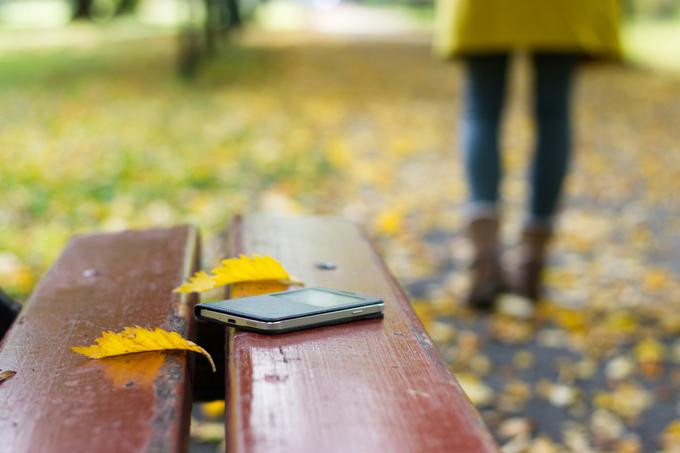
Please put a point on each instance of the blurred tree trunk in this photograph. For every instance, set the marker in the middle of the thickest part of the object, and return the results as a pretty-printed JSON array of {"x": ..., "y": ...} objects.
[
  {"x": 221, "y": 17},
  {"x": 196, "y": 45},
  {"x": 82, "y": 9},
  {"x": 126, "y": 7},
  {"x": 234, "y": 13}
]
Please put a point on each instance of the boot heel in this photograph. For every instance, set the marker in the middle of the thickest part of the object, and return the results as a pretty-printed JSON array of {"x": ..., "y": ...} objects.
[{"x": 486, "y": 276}]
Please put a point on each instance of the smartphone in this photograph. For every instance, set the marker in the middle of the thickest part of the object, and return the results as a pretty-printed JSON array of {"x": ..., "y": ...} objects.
[{"x": 288, "y": 311}]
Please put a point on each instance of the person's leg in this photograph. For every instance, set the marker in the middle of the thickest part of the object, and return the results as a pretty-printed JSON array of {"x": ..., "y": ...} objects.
[
  {"x": 552, "y": 93},
  {"x": 483, "y": 98},
  {"x": 484, "y": 93}
]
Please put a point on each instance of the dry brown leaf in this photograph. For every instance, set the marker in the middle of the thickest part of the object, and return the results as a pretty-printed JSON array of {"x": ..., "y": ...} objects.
[{"x": 7, "y": 374}]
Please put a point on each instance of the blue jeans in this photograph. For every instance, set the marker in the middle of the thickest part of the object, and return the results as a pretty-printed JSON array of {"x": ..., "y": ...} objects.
[{"x": 484, "y": 96}]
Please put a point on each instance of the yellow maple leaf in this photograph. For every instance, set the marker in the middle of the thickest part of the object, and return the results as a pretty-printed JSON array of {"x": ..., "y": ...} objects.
[
  {"x": 138, "y": 339},
  {"x": 238, "y": 270},
  {"x": 142, "y": 368},
  {"x": 249, "y": 269},
  {"x": 198, "y": 282},
  {"x": 245, "y": 289}
]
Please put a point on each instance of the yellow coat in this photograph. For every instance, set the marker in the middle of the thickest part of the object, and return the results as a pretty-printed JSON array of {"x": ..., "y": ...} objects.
[{"x": 590, "y": 27}]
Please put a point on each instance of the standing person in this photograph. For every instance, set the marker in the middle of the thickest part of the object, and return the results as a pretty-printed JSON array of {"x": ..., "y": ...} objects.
[{"x": 484, "y": 34}]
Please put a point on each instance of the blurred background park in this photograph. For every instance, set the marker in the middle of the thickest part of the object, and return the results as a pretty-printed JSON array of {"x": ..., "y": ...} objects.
[{"x": 121, "y": 114}]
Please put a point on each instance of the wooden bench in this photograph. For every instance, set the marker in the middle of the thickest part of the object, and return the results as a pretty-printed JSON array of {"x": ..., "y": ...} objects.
[
  {"x": 375, "y": 385},
  {"x": 59, "y": 401}
]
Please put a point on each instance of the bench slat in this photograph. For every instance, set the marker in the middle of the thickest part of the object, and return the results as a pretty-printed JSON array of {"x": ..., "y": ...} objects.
[
  {"x": 376, "y": 385},
  {"x": 60, "y": 401}
]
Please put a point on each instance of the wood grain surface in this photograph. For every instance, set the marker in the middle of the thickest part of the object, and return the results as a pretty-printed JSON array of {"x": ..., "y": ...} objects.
[
  {"x": 366, "y": 386},
  {"x": 60, "y": 401}
]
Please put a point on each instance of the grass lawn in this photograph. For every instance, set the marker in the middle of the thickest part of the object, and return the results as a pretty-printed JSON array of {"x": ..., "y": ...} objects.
[{"x": 110, "y": 138}]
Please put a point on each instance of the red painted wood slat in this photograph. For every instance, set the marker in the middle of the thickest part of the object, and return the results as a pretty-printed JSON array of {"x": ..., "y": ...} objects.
[
  {"x": 60, "y": 401},
  {"x": 376, "y": 385}
]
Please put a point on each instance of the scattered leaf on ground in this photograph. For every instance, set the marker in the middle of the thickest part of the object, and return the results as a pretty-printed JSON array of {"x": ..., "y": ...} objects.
[
  {"x": 479, "y": 393},
  {"x": 213, "y": 409},
  {"x": 208, "y": 432},
  {"x": 671, "y": 436}
]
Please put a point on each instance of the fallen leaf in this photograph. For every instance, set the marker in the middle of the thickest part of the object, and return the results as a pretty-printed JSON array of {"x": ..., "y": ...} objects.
[
  {"x": 139, "y": 369},
  {"x": 649, "y": 350},
  {"x": 650, "y": 354},
  {"x": 628, "y": 400},
  {"x": 656, "y": 279},
  {"x": 138, "y": 339},
  {"x": 208, "y": 432},
  {"x": 479, "y": 393},
  {"x": 480, "y": 364},
  {"x": 543, "y": 444},
  {"x": 424, "y": 311},
  {"x": 571, "y": 320},
  {"x": 671, "y": 436},
  {"x": 514, "y": 396},
  {"x": 586, "y": 368},
  {"x": 249, "y": 269},
  {"x": 575, "y": 437},
  {"x": 552, "y": 338},
  {"x": 244, "y": 289},
  {"x": 606, "y": 426},
  {"x": 7, "y": 374},
  {"x": 237, "y": 270},
  {"x": 675, "y": 352},
  {"x": 508, "y": 329},
  {"x": 514, "y": 427},
  {"x": 390, "y": 222},
  {"x": 213, "y": 409},
  {"x": 559, "y": 395},
  {"x": 199, "y": 282},
  {"x": 516, "y": 306},
  {"x": 518, "y": 444},
  {"x": 440, "y": 332},
  {"x": 629, "y": 444},
  {"x": 523, "y": 360},
  {"x": 619, "y": 368}
]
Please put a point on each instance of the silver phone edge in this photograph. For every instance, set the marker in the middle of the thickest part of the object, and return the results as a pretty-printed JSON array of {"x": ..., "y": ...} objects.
[{"x": 294, "y": 322}]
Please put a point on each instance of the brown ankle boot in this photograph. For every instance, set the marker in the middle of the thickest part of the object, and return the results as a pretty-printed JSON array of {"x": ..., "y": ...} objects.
[
  {"x": 486, "y": 276},
  {"x": 527, "y": 277}
]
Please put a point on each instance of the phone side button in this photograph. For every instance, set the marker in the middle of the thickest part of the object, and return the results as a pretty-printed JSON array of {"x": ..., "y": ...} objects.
[{"x": 356, "y": 312}]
